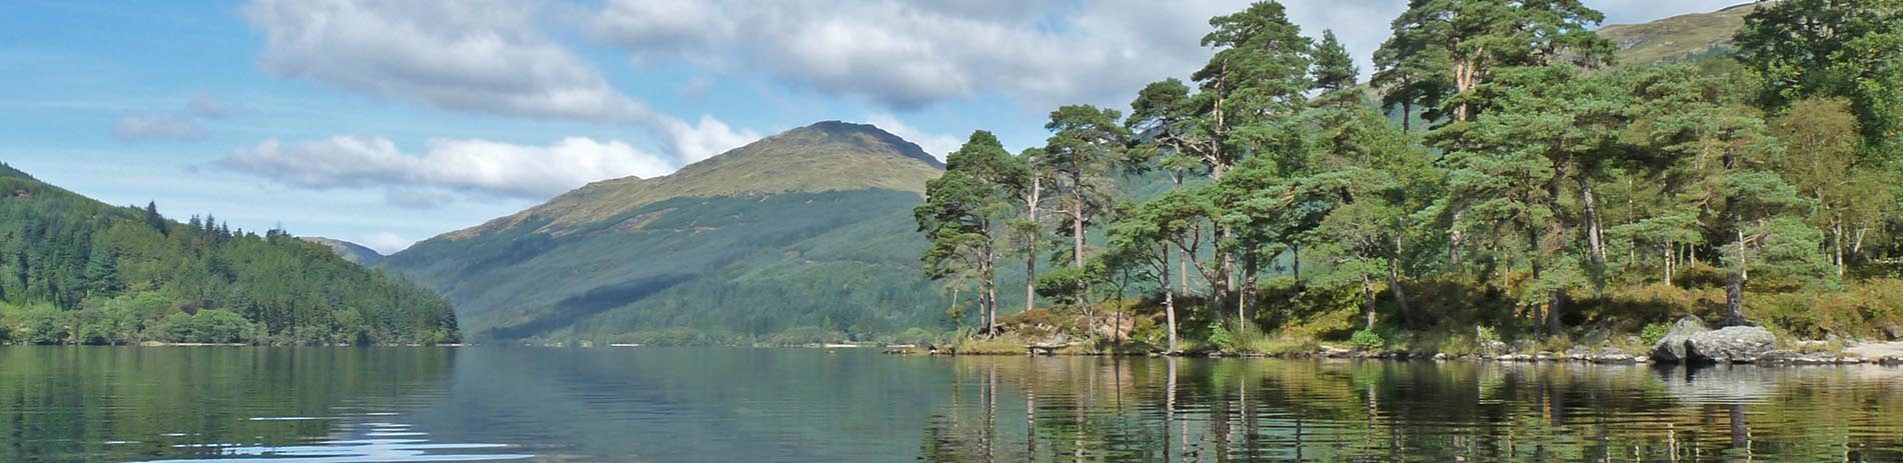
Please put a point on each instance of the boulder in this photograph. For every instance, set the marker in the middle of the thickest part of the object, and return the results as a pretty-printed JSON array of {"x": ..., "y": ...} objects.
[
  {"x": 1671, "y": 348},
  {"x": 1731, "y": 344}
]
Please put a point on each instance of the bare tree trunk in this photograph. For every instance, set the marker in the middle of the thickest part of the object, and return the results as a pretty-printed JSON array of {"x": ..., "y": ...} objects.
[
  {"x": 1296, "y": 251},
  {"x": 1837, "y": 246},
  {"x": 1453, "y": 242},
  {"x": 1077, "y": 232},
  {"x": 1734, "y": 300},
  {"x": 1030, "y": 247},
  {"x": 1594, "y": 240},
  {"x": 1367, "y": 298},
  {"x": 1407, "y": 115},
  {"x": 1400, "y": 295},
  {"x": 1245, "y": 303}
]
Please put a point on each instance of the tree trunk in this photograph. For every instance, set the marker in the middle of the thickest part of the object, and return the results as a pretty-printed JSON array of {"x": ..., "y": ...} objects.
[
  {"x": 1837, "y": 246},
  {"x": 1245, "y": 303},
  {"x": 1296, "y": 249},
  {"x": 1554, "y": 324},
  {"x": 1030, "y": 247},
  {"x": 1594, "y": 240},
  {"x": 1407, "y": 115},
  {"x": 1169, "y": 299},
  {"x": 1367, "y": 298},
  {"x": 1453, "y": 242},
  {"x": 1077, "y": 232},
  {"x": 1400, "y": 296},
  {"x": 1734, "y": 300}
]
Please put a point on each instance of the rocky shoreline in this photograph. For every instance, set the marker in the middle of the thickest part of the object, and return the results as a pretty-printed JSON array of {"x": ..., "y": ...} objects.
[{"x": 1689, "y": 341}]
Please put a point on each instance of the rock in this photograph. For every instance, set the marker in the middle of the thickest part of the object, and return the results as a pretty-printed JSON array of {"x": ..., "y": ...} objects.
[
  {"x": 1731, "y": 344},
  {"x": 1491, "y": 348},
  {"x": 1671, "y": 348}
]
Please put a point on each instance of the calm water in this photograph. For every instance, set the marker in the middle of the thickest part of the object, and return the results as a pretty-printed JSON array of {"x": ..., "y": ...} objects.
[{"x": 786, "y": 405}]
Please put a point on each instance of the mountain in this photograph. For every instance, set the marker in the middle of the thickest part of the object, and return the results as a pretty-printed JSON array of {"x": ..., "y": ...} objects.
[
  {"x": 78, "y": 271},
  {"x": 803, "y": 235},
  {"x": 1678, "y": 37},
  {"x": 349, "y": 251}
]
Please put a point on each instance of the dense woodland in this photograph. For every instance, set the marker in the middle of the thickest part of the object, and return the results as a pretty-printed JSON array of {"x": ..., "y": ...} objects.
[
  {"x": 1500, "y": 177},
  {"x": 76, "y": 271}
]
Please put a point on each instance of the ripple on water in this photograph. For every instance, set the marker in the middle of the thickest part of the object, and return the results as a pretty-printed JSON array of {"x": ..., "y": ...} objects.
[{"x": 380, "y": 442}]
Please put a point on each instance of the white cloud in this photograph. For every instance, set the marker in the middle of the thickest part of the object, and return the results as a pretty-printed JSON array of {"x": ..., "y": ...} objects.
[
  {"x": 385, "y": 243},
  {"x": 477, "y": 56},
  {"x": 1040, "y": 53},
  {"x": 691, "y": 143},
  {"x": 157, "y": 126},
  {"x": 477, "y": 167},
  {"x": 937, "y": 145},
  {"x": 486, "y": 56},
  {"x": 207, "y": 106},
  {"x": 904, "y": 55}
]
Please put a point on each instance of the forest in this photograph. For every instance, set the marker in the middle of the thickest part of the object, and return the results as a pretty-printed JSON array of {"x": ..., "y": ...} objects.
[
  {"x": 1499, "y": 177},
  {"x": 77, "y": 271}
]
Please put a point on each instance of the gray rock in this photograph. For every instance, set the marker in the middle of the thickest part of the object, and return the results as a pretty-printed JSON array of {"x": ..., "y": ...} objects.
[
  {"x": 1671, "y": 348},
  {"x": 1491, "y": 348},
  {"x": 1731, "y": 344}
]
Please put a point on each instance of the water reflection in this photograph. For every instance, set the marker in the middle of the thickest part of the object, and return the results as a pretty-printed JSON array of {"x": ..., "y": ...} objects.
[
  {"x": 806, "y": 405},
  {"x": 1267, "y": 410}
]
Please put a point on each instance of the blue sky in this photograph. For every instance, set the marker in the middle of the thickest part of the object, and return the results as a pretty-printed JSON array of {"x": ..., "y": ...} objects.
[{"x": 388, "y": 122}]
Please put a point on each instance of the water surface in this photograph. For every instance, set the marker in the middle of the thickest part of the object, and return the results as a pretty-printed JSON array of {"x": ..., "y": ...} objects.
[{"x": 307, "y": 405}]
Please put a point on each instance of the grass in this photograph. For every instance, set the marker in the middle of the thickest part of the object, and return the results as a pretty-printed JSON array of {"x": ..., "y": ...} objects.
[{"x": 1676, "y": 37}]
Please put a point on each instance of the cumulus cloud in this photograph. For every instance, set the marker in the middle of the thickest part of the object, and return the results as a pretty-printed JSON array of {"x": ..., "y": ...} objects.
[
  {"x": 904, "y": 55},
  {"x": 477, "y": 167},
  {"x": 485, "y": 56},
  {"x": 157, "y": 126},
  {"x": 695, "y": 142},
  {"x": 935, "y": 144},
  {"x": 478, "y": 56}
]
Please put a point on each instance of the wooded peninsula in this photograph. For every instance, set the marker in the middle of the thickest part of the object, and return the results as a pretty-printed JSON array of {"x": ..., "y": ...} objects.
[{"x": 1501, "y": 178}]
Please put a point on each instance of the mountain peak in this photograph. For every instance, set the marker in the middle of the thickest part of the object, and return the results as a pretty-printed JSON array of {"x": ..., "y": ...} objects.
[
  {"x": 865, "y": 136},
  {"x": 825, "y": 156}
]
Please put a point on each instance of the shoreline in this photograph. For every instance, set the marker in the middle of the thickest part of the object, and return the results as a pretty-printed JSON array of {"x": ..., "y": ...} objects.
[{"x": 1876, "y": 353}]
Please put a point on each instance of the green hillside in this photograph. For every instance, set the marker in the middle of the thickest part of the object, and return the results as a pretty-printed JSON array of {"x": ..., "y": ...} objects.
[
  {"x": 78, "y": 271},
  {"x": 807, "y": 234},
  {"x": 349, "y": 251},
  {"x": 1677, "y": 37}
]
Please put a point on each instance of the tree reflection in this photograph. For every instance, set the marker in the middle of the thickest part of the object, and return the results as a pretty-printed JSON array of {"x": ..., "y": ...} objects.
[{"x": 1193, "y": 410}]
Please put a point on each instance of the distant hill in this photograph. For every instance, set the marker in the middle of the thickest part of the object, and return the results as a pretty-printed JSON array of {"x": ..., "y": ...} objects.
[
  {"x": 78, "y": 271},
  {"x": 1678, "y": 37},
  {"x": 804, "y": 234},
  {"x": 349, "y": 251}
]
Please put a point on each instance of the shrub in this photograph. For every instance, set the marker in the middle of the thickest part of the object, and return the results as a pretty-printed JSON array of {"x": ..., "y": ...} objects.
[
  {"x": 1366, "y": 340},
  {"x": 1653, "y": 333}
]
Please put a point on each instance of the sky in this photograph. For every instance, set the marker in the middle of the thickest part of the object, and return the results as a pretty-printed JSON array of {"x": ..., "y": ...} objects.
[{"x": 388, "y": 122}]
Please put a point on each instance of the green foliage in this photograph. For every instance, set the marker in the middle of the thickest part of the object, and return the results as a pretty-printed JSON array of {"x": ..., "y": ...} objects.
[
  {"x": 1367, "y": 340},
  {"x": 1826, "y": 48},
  {"x": 1653, "y": 332},
  {"x": 1062, "y": 284},
  {"x": 88, "y": 273}
]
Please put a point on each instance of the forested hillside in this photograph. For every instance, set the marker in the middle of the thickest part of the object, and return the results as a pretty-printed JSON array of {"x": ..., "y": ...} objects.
[
  {"x": 802, "y": 236},
  {"x": 77, "y": 271},
  {"x": 1540, "y": 189}
]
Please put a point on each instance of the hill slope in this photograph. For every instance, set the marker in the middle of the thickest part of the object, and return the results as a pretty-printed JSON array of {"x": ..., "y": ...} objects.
[
  {"x": 349, "y": 251},
  {"x": 1678, "y": 37},
  {"x": 77, "y": 270},
  {"x": 805, "y": 234}
]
